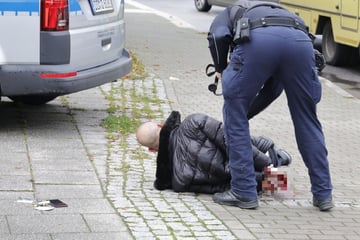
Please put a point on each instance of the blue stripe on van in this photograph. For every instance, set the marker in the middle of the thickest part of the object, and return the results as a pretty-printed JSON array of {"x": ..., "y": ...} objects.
[
  {"x": 74, "y": 6},
  {"x": 30, "y": 6},
  {"x": 19, "y": 6}
]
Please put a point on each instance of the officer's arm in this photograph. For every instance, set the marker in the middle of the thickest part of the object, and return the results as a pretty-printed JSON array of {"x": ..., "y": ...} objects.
[
  {"x": 270, "y": 91},
  {"x": 220, "y": 37}
]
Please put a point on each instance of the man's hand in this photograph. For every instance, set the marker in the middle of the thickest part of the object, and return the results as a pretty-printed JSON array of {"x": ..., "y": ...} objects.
[{"x": 218, "y": 75}]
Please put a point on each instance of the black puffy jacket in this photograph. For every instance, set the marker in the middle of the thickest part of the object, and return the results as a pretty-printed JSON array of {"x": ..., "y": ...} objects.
[{"x": 192, "y": 155}]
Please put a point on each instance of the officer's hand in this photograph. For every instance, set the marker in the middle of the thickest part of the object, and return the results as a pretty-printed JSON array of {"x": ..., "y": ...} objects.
[{"x": 218, "y": 75}]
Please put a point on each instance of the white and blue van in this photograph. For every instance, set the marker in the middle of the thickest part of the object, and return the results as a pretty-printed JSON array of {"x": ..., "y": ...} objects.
[{"x": 50, "y": 48}]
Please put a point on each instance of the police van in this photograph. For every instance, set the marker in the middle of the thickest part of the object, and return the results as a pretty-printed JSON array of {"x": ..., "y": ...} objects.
[{"x": 50, "y": 48}]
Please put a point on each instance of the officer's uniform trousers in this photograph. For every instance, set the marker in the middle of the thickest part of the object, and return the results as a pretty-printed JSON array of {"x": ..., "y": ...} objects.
[{"x": 287, "y": 55}]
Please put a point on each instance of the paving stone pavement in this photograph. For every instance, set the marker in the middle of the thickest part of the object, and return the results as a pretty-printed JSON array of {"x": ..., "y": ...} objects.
[
  {"x": 179, "y": 58},
  {"x": 61, "y": 151}
]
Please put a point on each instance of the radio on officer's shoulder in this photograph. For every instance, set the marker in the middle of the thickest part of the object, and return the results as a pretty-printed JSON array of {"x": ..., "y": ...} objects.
[{"x": 242, "y": 31}]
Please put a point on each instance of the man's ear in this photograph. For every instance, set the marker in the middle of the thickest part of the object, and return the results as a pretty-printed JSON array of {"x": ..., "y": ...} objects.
[{"x": 152, "y": 149}]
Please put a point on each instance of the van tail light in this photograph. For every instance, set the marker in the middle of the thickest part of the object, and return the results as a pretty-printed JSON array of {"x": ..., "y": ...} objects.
[{"x": 54, "y": 15}]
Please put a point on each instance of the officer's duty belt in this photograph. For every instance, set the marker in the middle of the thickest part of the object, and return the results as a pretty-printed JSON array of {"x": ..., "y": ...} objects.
[{"x": 278, "y": 21}]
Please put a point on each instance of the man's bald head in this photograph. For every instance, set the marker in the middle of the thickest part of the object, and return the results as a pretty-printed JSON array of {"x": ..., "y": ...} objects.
[{"x": 148, "y": 135}]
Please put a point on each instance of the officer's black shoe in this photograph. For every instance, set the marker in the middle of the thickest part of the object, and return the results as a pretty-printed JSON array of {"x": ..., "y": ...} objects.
[
  {"x": 229, "y": 198},
  {"x": 284, "y": 157},
  {"x": 323, "y": 205}
]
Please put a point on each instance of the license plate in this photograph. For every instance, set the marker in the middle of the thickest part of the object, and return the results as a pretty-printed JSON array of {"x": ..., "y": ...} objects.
[{"x": 101, "y": 6}]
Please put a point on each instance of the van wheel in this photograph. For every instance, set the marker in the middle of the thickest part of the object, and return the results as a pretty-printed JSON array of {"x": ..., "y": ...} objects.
[
  {"x": 33, "y": 99},
  {"x": 335, "y": 54},
  {"x": 202, "y": 5}
]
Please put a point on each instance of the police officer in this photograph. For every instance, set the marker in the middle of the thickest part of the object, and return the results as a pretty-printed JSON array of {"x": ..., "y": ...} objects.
[{"x": 270, "y": 50}]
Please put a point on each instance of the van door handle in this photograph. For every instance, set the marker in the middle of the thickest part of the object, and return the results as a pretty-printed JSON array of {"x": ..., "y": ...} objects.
[{"x": 105, "y": 42}]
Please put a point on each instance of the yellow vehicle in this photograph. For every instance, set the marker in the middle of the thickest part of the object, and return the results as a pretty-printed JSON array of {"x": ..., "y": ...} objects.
[{"x": 338, "y": 23}]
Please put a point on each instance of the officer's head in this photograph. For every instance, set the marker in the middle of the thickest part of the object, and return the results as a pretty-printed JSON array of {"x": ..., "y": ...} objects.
[{"x": 148, "y": 135}]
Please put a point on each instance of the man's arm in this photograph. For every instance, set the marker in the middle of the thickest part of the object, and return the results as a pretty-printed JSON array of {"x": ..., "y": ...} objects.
[{"x": 202, "y": 127}]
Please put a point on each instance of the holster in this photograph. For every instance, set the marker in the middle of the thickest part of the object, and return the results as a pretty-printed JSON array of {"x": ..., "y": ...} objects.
[{"x": 242, "y": 31}]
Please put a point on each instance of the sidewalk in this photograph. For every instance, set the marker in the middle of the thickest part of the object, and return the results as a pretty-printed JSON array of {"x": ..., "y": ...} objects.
[
  {"x": 179, "y": 59},
  {"x": 61, "y": 151}
]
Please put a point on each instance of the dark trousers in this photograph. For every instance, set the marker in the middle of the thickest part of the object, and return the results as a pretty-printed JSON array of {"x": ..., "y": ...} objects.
[{"x": 285, "y": 56}]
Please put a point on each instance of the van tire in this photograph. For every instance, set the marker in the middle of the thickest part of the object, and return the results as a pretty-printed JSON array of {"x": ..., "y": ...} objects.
[
  {"x": 202, "y": 5},
  {"x": 33, "y": 99},
  {"x": 335, "y": 53}
]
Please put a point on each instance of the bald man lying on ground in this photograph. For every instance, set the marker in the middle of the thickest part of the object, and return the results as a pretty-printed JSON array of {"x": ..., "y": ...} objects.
[{"x": 192, "y": 155}]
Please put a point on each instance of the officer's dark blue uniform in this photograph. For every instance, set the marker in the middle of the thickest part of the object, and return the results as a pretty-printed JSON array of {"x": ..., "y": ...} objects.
[{"x": 275, "y": 58}]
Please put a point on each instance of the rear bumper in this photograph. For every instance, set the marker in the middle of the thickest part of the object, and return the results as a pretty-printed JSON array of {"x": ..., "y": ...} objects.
[{"x": 25, "y": 79}]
